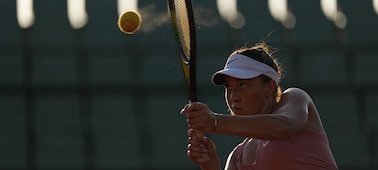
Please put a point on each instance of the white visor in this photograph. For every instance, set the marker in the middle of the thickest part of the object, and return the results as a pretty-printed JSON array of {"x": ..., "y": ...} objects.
[{"x": 243, "y": 67}]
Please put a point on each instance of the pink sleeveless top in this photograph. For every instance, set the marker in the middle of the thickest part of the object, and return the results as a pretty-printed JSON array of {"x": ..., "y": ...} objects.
[{"x": 303, "y": 151}]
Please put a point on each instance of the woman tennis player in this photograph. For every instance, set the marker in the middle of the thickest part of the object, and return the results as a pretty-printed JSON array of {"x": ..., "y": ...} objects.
[{"x": 282, "y": 130}]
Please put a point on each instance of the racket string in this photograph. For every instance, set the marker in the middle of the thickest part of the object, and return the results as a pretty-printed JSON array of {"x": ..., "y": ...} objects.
[{"x": 183, "y": 28}]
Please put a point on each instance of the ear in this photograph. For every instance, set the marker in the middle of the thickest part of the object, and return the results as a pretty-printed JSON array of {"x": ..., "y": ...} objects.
[{"x": 271, "y": 88}]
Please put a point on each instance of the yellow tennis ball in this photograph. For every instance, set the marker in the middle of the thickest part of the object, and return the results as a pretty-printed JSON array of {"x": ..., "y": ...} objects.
[{"x": 129, "y": 22}]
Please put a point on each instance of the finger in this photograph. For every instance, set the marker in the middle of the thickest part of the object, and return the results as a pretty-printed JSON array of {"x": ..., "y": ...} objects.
[
  {"x": 198, "y": 154},
  {"x": 195, "y": 113},
  {"x": 190, "y": 107},
  {"x": 193, "y": 141},
  {"x": 196, "y": 149},
  {"x": 198, "y": 158},
  {"x": 210, "y": 145},
  {"x": 199, "y": 115},
  {"x": 195, "y": 106},
  {"x": 196, "y": 123},
  {"x": 184, "y": 110},
  {"x": 196, "y": 145},
  {"x": 194, "y": 152},
  {"x": 191, "y": 133},
  {"x": 201, "y": 149},
  {"x": 203, "y": 159}
]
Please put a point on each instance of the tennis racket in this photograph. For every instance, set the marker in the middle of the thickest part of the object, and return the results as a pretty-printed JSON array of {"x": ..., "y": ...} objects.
[{"x": 184, "y": 31}]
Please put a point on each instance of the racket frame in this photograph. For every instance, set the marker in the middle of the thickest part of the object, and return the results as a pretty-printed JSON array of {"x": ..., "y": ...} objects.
[{"x": 188, "y": 63}]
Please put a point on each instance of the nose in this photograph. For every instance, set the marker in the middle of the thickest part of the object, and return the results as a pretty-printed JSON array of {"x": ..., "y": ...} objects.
[{"x": 233, "y": 95}]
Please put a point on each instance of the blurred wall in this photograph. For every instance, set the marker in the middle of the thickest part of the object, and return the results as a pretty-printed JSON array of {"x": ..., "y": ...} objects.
[{"x": 95, "y": 98}]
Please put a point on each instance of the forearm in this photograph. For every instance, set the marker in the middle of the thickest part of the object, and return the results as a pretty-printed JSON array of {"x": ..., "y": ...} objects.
[
  {"x": 211, "y": 166},
  {"x": 256, "y": 126}
]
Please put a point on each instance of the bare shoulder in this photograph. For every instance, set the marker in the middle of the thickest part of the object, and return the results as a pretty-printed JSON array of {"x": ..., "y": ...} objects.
[
  {"x": 295, "y": 90},
  {"x": 298, "y": 97},
  {"x": 295, "y": 93},
  {"x": 295, "y": 97}
]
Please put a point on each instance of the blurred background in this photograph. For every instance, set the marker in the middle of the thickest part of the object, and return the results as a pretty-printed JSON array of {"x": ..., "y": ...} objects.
[{"x": 77, "y": 93}]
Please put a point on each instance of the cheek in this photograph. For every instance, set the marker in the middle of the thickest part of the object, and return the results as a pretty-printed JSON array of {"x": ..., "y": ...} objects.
[{"x": 253, "y": 100}]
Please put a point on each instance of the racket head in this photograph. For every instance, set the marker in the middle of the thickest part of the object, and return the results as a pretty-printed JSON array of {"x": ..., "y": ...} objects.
[{"x": 183, "y": 26}]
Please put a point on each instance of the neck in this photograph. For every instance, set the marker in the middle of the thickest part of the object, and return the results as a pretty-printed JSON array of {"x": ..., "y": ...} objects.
[{"x": 269, "y": 107}]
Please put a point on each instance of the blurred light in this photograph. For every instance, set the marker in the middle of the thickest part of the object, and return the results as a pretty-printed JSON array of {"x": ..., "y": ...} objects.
[
  {"x": 329, "y": 8},
  {"x": 126, "y": 5},
  {"x": 290, "y": 21},
  {"x": 25, "y": 13},
  {"x": 279, "y": 11},
  {"x": 227, "y": 9},
  {"x": 77, "y": 14},
  {"x": 229, "y": 12},
  {"x": 375, "y": 6},
  {"x": 340, "y": 20},
  {"x": 238, "y": 22}
]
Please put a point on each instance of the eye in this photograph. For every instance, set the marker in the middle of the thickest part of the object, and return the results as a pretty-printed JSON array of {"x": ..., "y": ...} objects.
[{"x": 243, "y": 85}]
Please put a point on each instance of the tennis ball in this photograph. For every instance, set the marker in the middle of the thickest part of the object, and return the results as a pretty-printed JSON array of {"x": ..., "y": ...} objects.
[{"x": 129, "y": 22}]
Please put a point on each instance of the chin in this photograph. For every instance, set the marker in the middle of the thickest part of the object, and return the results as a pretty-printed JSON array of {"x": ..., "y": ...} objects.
[{"x": 237, "y": 113}]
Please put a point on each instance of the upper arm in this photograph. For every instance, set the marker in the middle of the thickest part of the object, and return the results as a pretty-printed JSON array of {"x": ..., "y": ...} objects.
[
  {"x": 293, "y": 106},
  {"x": 231, "y": 161}
]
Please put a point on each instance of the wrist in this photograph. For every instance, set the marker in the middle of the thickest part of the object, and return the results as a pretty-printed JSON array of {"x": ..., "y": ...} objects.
[
  {"x": 215, "y": 123},
  {"x": 212, "y": 164}
]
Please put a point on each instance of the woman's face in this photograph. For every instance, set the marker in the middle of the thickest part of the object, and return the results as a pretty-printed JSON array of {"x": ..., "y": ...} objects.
[{"x": 245, "y": 96}]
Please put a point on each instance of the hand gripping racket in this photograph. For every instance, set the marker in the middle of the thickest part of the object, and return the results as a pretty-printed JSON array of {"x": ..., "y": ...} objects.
[{"x": 184, "y": 31}]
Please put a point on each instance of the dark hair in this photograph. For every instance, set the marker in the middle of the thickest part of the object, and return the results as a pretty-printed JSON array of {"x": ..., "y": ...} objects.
[{"x": 263, "y": 53}]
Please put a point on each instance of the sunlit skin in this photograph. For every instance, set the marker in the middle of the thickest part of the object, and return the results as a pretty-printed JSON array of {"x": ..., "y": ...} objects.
[
  {"x": 243, "y": 97},
  {"x": 261, "y": 113},
  {"x": 249, "y": 96},
  {"x": 255, "y": 113}
]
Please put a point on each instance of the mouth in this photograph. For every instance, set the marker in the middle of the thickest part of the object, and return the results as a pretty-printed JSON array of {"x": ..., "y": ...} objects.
[{"x": 236, "y": 109}]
